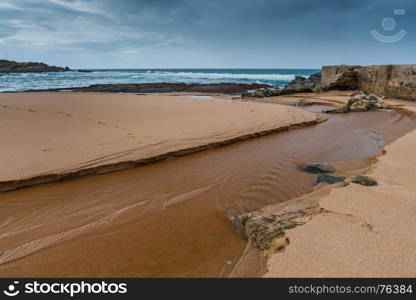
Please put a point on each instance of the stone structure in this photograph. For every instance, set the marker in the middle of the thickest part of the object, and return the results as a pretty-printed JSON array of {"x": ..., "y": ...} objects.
[{"x": 397, "y": 81}]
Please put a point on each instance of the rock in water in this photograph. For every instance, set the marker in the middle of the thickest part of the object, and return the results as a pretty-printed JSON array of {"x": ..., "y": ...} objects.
[
  {"x": 360, "y": 104},
  {"x": 323, "y": 178},
  {"x": 361, "y": 179},
  {"x": 268, "y": 232},
  {"x": 318, "y": 168}
]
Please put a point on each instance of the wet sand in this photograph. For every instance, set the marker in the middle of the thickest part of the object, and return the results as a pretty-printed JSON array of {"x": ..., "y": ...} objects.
[
  {"x": 173, "y": 218},
  {"x": 361, "y": 231}
]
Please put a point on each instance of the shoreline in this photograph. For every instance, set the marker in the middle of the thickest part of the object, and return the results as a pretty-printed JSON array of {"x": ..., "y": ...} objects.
[
  {"x": 299, "y": 258},
  {"x": 339, "y": 217}
]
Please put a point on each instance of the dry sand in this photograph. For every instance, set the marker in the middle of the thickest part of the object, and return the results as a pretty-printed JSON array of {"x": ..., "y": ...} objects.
[
  {"x": 49, "y": 133},
  {"x": 361, "y": 231}
]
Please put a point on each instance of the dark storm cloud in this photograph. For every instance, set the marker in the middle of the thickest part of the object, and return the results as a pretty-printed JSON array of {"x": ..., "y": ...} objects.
[{"x": 187, "y": 33}]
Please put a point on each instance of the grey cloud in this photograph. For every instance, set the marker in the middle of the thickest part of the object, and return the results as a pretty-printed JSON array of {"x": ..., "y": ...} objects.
[{"x": 241, "y": 33}]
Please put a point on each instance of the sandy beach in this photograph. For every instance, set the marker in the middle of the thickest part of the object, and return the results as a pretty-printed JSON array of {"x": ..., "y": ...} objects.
[
  {"x": 69, "y": 132},
  {"x": 358, "y": 231},
  {"x": 362, "y": 231},
  {"x": 173, "y": 219}
]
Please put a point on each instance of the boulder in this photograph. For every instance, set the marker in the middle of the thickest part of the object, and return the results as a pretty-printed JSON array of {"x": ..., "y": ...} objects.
[
  {"x": 318, "y": 168},
  {"x": 352, "y": 100},
  {"x": 267, "y": 232},
  {"x": 380, "y": 105},
  {"x": 361, "y": 105},
  {"x": 323, "y": 178},
  {"x": 302, "y": 83}
]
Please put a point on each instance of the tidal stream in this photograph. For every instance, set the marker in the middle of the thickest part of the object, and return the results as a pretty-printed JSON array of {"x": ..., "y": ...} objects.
[{"x": 172, "y": 218}]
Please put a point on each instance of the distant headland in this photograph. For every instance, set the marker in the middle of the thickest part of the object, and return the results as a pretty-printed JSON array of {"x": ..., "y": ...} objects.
[{"x": 9, "y": 66}]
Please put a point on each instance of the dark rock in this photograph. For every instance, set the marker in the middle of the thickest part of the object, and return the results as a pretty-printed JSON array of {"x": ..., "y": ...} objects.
[
  {"x": 302, "y": 83},
  {"x": 362, "y": 180},
  {"x": 360, "y": 106},
  {"x": 268, "y": 232},
  {"x": 7, "y": 66},
  {"x": 340, "y": 110},
  {"x": 318, "y": 168},
  {"x": 363, "y": 103},
  {"x": 85, "y": 71},
  {"x": 323, "y": 178}
]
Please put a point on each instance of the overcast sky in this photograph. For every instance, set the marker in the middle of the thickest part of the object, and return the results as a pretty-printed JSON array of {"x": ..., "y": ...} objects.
[{"x": 205, "y": 33}]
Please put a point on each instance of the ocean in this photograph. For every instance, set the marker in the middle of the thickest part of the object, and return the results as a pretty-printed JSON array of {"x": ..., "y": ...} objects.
[{"x": 30, "y": 81}]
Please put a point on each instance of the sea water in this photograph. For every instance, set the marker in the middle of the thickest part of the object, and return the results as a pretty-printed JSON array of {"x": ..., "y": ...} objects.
[{"x": 35, "y": 81}]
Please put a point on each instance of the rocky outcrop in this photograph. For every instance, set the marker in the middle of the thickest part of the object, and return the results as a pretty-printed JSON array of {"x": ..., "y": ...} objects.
[
  {"x": 360, "y": 103},
  {"x": 165, "y": 87},
  {"x": 397, "y": 81},
  {"x": 264, "y": 92},
  {"x": 312, "y": 82},
  {"x": 7, "y": 66},
  {"x": 360, "y": 179},
  {"x": 267, "y": 232},
  {"x": 299, "y": 85},
  {"x": 323, "y": 178},
  {"x": 345, "y": 80}
]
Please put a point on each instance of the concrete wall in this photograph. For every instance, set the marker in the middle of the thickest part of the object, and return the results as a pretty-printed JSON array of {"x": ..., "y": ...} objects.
[{"x": 398, "y": 81}]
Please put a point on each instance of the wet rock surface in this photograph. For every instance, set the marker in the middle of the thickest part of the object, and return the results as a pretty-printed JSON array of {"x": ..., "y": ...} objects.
[
  {"x": 360, "y": 103},
  {"x": 299, "y": 85},
  {"x": 318, "y": 168},
  {"x": 323, "y": 178},
  {"x": 312, "y": 82},
  {"x": 8, "y": 66},
  {"x": 268, "y": 232},
  {"x": 361, "y": 179}
]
